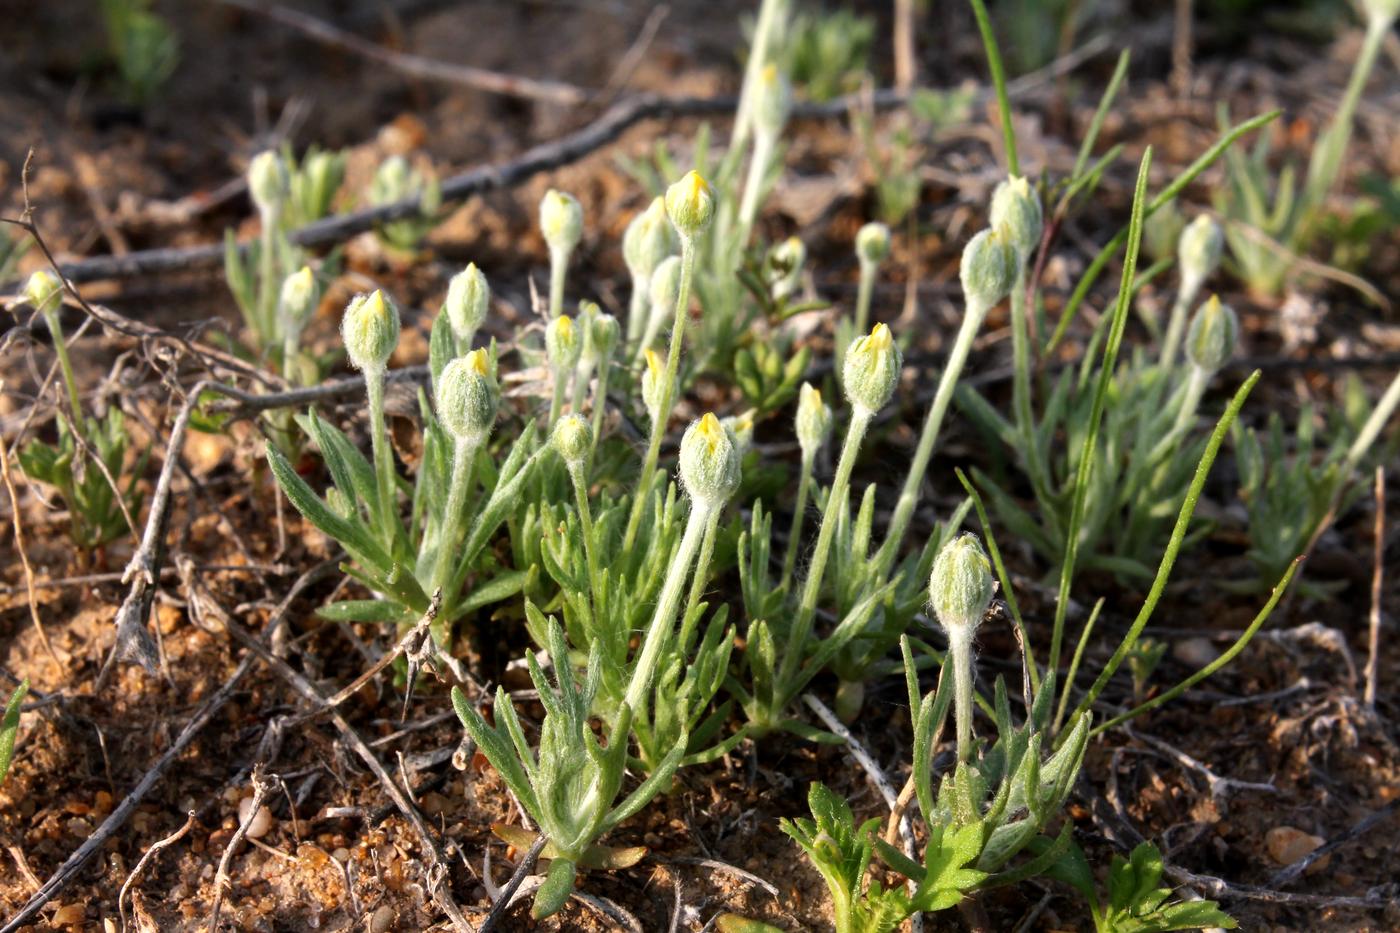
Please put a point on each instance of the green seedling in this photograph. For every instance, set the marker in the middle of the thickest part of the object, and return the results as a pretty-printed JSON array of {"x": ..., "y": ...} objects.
[
  {"x": 144, "y": 47},
  {"x": 87, "y": 465},
  {"x": 9, "y": 728}
]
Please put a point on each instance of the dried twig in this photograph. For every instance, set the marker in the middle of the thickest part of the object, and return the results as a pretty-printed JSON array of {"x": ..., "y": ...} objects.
[
  {"x": 1374, "y": 645},
  {"x": 150, "y": 853},
  {"x": 547, "y": 156},
  {"x": 262, "y": 786},
  {"x": 417, "y": 66},
  {"x": 20, "y": 548},
  {"x": 68, "y": 871},
  {"x": 507, "y": 894}
]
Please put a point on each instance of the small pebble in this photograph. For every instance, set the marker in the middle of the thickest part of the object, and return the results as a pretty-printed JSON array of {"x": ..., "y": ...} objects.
[
  {"x": 382, "y": 919},
  {"x": 1195, "y": 652},
  {"x": 262, "y": 820},
  {"x": 1287, "y": 844}
]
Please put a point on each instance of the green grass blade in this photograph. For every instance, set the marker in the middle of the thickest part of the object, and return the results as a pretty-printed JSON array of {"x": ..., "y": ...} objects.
[
  {"x": 1212, "y": 667},
  {"x": 989, "y": 42},
  {"x": 1096, "y": 267},
  {"x": 1188, "y": 508},
  {"x": 1091, "y": 436}
]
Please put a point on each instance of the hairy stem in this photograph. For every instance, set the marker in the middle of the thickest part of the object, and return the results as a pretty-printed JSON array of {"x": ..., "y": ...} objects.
[
  {"x": 383, "y": 457},
  {"x": 909, "y": 495},
  {"x": 799, "y": 511},
  {"x": 665, "y": 614},
  {"x": 668, "y": 395},
  {"x": 807, "y": 609}
]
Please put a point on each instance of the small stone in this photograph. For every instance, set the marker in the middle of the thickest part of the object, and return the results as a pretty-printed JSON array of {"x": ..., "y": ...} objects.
[
  {"x": 1195, "y": 652},
  {"x": 262, "y": 820},
  {"x": 69, "y": 915},
  {"x": 382, "y": 919},
  {"x": 1287, "y": 844}
]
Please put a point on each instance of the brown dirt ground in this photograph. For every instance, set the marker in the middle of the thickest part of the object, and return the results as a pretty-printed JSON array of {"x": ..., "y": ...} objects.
[{"x": 1330, "y": 763}]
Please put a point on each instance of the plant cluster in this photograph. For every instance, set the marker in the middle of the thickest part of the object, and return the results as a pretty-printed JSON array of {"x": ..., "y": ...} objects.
[{"x": 535, "y": 506}]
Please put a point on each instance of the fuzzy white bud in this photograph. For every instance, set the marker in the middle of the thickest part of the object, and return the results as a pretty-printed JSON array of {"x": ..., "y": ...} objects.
[
  {"x": 871, "y": 369},
  {"x": 873, "y": 243},
  {"x": 561, "y": 221},
  {"x": 562, "y": 344},
  {"x": 690, "y": 204},
  {"x": 268, "y": 183},
  {"x": 1199, "y": 250},
  {"x": 1016, "y": 206},
  {"x": 988, "y": 268},
  {"x": 648, "y": 240},
  {"x": 468, "y": 298},
  {"x": 370, "y": 331},
  {"x": 467, "y": 397},
  {"x": 572, "y": 438},
  {"x": 709, "y": 462},
  {"x": 961, "y": 585},
  {"x": 813, "y": 422},
  {"x": 1214, "y": 331},
  {"x": 43, "y": 291}
]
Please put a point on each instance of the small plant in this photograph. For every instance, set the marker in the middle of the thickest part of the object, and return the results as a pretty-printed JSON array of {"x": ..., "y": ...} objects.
[
  {"x": 842, "y": 852},
  {"x": 1135, "y": 903},
  {"x": 396, "y": 180},
  {"x": 87, "y": 466},
  {"x": 143, "y": 46},
  {"x": 1271, "y": 223},
  {"x": 9, "y": 728},
  {"x": 1290, "y": 487},
  {"x": 455, "y": 508},
  {"x": 828, "y": 51}
]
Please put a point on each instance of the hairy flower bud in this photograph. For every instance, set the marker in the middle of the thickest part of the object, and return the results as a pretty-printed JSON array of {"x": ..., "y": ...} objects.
[
  {"x": 772, "y": 101},
  {"x": 648, "y": 240},
  {"x": 603, "y": 334},
  {"x": 1200, "y": 248},
  {"x": 872, "y": 369},
  {"x": 43, "y": 291},
  {"x": 267, "y": 183},
  {"x": 813, "y": 420},
  {"x": 1214, "y": 332},
  {"x": 467, "y": 397},
  {"x": 988, "y": 267},
  {"x": 1016, "y": 206},
  {"x": 468, "y": 298},
  {"x": 370, "y": 331},
  {"x": 961, "y": 586},
  {"x": 1381, "y": 13},
  {"x": 573, "y": 438},
  {"x": 653, "y": 383},
  {"x": 298, "y": 297},
  {"x": 709, "y": 462},
  {"x": 740, "y": 428},
  {"x": 872, "y": 243},
  {"x": 562, "y": 343},
  {"x": 561, "y": 220},
  {"x": 784, "y": 261},
  {"x": 690, "y": 204},
  {"x": 666, "y": 284}
]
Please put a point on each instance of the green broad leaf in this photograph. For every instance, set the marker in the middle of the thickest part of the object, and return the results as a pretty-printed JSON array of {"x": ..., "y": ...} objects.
[
  {"x": 362, "y": 610},
  {"x": 498, "y": 589},
  {"x": 9, "y": 727}
]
